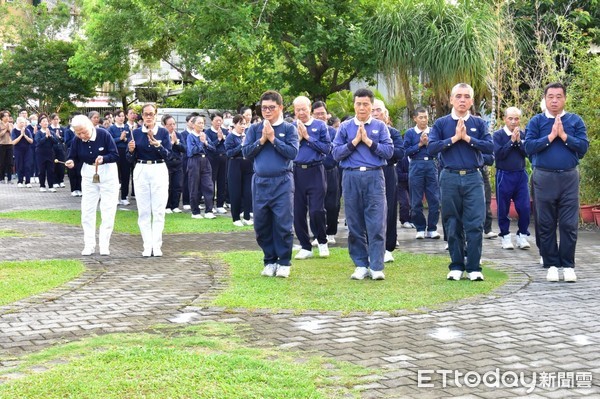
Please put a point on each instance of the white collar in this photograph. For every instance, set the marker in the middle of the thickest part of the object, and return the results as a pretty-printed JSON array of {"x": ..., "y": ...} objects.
[
  {"x": 507, "y": 131},
  {"x": 119, "y": 126},
  {"x": 550, "y": 116},
  {"x": 92, "y": 137},
  {"x": 310, "y": 121},
  {"x": 213, "y": 129},
  {"x": 419, "y": 131},
  {"x": 154, "y": 129},
  {"x": 55, "y": 127},
  {"x": 357, "y": 122},
  {"x": 456, "y": 117},
  {"x": 279, "y": 121}
]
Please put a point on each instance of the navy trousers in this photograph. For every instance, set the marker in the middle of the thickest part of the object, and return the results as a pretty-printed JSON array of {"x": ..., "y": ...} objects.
[
  {"x": 273, "y": 205},
  {"x": 200, "y": 183},
  {"x": 218, "y": 164},
  {"x": 175, "y": 185},
  {"x": 513, "y": 186},
  {"x": 332, "y": 200},
  {"x": 310, "y": 189},
  {"x": 124, "y": 172},
  {"x": 403, "y": 201},
  {"x": 423, "y": 179},
  {"x": 75, "y": 177},
  {"x": 391, "y": 181},
  {"x": 366, "y": 211},
  {"x": 239, "y": 182},
  {"x": 463, "y": 214},
  {"x": 24, "y": 164},
  {"x": 185, "y": 194},
  {"x": 6, "y": 161},
  {"x": 557, "y": 204},
  {"x": 46, "y": 168},
  {"x": 487, "y": 187}
]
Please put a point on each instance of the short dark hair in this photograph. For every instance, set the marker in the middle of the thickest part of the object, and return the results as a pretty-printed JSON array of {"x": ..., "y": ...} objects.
[
  {"x": 149, "y": 105},
  {"x": 216, "y": 115},
  {"x": 22, "y": 110},
  {"x": 108, "y": 113},
  {"x": 238, "y": 118},
  {"x": 364, "y": 93},
  {"x": 418, "y": 110},
  {"x": 271, "y": 95},
  {"x": 91, "y": 114},
  {"x": 555, "y": 85},
  {"x": 4, "y": 113},
  {"x": 333, "y": 120},
  {"x": 119, "y": 112},
  {"x": 165, "y": 118},
  {"x": 318, "y": 104},
  {"x": 244, "y": 109},
  {"x": 191, "y": 115}
]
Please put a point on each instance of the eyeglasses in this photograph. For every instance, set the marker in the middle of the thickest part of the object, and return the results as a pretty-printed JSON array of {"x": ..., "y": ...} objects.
[
  {"x": 145, "y": 114},
  {"x": 269, "y": 108}
]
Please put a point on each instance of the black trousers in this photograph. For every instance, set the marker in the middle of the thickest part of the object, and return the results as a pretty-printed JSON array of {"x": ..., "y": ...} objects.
[
  {"x": 239, "y": 182},
  {"x": 6, "y": 161},
  {"x": 200, "y": 183},
  {"x": 310, "y": 189},
  {"x": 124, "y": 172},
  {"x": 219, "y": 177},
  {"x": 175, "y": 183},
  {"x": 391, "y": 181}
]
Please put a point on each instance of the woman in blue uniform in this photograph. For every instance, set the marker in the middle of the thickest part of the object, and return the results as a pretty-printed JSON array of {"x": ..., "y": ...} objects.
[
  {"x": 44, "y": 153},
  {"x": 149, "y": 149},
  {"x": 199, "y": 169},
  {"x": 239, "y": 174},
  {"x": 94, "y": 149},
  {"x": 122, "y": 135},
  {"x": 60, "y": 150},
  {"x": 22, "y": 140}
]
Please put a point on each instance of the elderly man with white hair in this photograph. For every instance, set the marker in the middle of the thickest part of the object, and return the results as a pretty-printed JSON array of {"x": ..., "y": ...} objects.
[
  {"x": 511, "y": 178},
  {"x": 309, "y": 179},
  {"x": 95, "y": 149}
]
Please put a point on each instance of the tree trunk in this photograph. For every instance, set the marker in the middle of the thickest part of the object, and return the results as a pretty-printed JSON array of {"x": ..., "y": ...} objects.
[{"x": 407, "y": 91}]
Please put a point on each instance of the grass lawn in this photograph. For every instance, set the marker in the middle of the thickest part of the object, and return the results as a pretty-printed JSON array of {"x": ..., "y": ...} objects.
[
  {"x": 126, "y": 221},
  {"x": 204, "y": 361},
  {"x": 412, "y": 282},
  {"x": 19, "y": 280},
  {"x": 4, "y": 233}
]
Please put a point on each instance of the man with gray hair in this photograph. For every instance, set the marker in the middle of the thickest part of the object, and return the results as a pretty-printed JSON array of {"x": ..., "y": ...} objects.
[
  {"x": 511, "y": 178},
  {"x": 462, "y": 138},
  {"x": 309, "y": 179}
]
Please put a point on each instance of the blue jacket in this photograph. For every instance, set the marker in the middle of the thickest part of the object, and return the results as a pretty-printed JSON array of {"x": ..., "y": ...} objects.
[{"x": 271, "y": 159}]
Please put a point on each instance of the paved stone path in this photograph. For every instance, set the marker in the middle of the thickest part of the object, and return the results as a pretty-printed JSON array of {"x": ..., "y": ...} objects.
[{"x": 528, "y": 326}]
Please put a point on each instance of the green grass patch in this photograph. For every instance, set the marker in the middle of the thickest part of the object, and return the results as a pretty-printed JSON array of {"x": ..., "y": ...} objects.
[
  {"x": 412, "y": 281},
  {"x": 5, "y": 233},
  {"x": 19, "y": 280},
  {"x": 126, "y": 221},
  {"x": 204, "y": 361}
]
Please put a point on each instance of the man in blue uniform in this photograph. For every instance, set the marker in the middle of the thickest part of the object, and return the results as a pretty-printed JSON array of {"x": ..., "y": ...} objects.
[
  {"x": 362, "y": 146},
  {"x": 422, "y": 177},
  {"x": 309, "y": 179},
  {"x": 273, "y": 145},
  {"x": 380, "y": 112},
  {"x": 556, "y": 140},
  {"x": 511, "y": 179},
  {"x": 218, "y": 160},
  {"x": 462, "y": 139}
]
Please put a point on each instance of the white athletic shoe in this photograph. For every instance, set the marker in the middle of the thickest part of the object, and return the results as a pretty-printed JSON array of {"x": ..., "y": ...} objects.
[
  {"x": 552, "y": 274},
  {"x": 569, "y": 275},
  {"x": 176, "y": 210},
  {"x": 248, "y": 222},
  {"x": 269, "y": 270},
  {"x": 209, "y": 215},
  {"x": 522, "y": 241},
  {"x": 187, "y": 207},
  {"x": 330, "y": 239},
  {"x": 475, "y": 276},
  {"x": 360, "y": 273},
  {"x": 507, "y": 242},
  {"x": 303, "y": 254},
  {"x": 238, "y": 223},
  {"x": 283, "y": 271},
  {"x": 388, "y": 257},
  {"x": 221, "y": 211},
  {"x": 168, "y": 210},
  {"x": 323, "y": 250},
  {"x": 454, "y": 275},
  {"x": 376, "y": 274},
  {"x": 420, "y": 235}
]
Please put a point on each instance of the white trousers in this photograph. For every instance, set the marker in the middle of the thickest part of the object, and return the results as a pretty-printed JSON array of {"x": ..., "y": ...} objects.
[
  {"x": 107, "y": 192},
  {"x": 151, "y": 194}
]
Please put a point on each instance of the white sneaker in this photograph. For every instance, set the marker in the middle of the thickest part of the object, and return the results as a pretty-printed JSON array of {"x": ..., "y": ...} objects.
[
  {"x": 187, "y": 207},
  {"x": 407, "y": 225},
  {"x": 28, "y": 185},
  {"x": 168, "y": 210},
  {"x": 446, "y": 247},
  {"x": 542, "y": 260},
  {"x": 283, "y": 271},
  {"x": 104, "y": 251},
  {"x": 248, "y": 222},
  {"x": 475, "y": 276},
  {"x": 201, "y": 206},
  {"x": 198, "y": 216},
  {"x": 377, "y": 275},
  {"x": 43, "y": 189},
  {"x": 52, "y": 190},
  {"x": 157, "y": 253},
  {"x": 209, "y": 215},
  {"x": 74, "y": 193},
  {"x": 176, "y": 210},
  {"x": 62, "y": 185},
  {"x": 522, "y": 241},
  {"x": 238, "y": 223},
  {"x": 79, "y": 193},
  {"x": 420, "y": 235},
  {"x": 569, "y": 275},
  {"x": 507, "y": 242},
  {"x": 552, "y": 274},
  {"x": 323, "y": 250},
  {"x": 20, "y": 185},
  {"x": 303, "y": 254},
  {"x": 433, "y": 234},
  {"x": 314, "y": 242},
  {"x": 388, "y": 257},
  {"x": 490, "y": 234},
  {"x": 330, "y": 239},
  {"x": 269, "y": 270},
  {"x": 87, "y": 251},
  {"x": 360, "y": 273},
  {"x": 296, "y": 247},
  {"x": 55, "y": 186},
  {"x": 124, "y": 202},
  {"x": 221, "y": 211},
  {"x": 455, "y": 275}
]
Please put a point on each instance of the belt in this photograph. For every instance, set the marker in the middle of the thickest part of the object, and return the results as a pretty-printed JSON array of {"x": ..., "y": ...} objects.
[
  {"x": 236, "y": 158},
  {"x": 424, "y": 159},
  {"x": 364, "y": 168},
  {"x": 555, "y": 170},
  {"x": 462, "y": 172},
  {"x": 150, "y": 162},
  {"x": 199, "y": 155},
  {"x": 308, "y": 165}
]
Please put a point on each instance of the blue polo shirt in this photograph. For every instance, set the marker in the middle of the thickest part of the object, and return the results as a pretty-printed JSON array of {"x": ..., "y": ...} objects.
[
  {"x": 115, "y": 131},
  {"x": 144, "y": 151},
  {"x": 318, "y": 144},
  {"x": 233, "y": 146},
  {"x": 22, "y": 144},
  {"x": 196, "y": 147},
  {"x": 100, "y": 143},
  {"x": 460, "y": 155},
  {"x": 509, "y": 156},
  {"x": 350, "y": 156},
  {"x": 328, "y": 161},
  {"x": 272, "y": 159},
  {"x": 211, "y": 135},
  {"x": 558, "y": 155},
  {"x": 398, "y": 143},
  {"x": 412, "y": 138}
]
